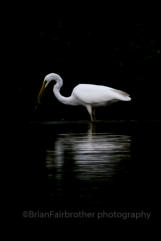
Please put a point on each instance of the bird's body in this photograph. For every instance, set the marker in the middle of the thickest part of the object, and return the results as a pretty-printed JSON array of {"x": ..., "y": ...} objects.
[
  {"x": 88, "y": 95},
  {"x": 97, "y": 95}
]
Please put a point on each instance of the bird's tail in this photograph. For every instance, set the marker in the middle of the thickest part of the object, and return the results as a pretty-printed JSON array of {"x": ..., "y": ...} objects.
[
  {"x": 126, "y": 98},
  {"x": 121, "y": 95}
]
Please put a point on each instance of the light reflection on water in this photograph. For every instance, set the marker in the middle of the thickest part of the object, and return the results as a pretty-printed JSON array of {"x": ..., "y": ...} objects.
[
  {"x": 108, "y": 164},
  {"x": 87, "y": 156}
]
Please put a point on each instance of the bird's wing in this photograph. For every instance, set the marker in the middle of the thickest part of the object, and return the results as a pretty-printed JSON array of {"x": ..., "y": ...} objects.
[{"x": 95, "y": 94}]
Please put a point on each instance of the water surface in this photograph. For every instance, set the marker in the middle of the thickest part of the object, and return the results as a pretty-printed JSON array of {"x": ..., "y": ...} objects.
[{"x": 78, "y": 164}]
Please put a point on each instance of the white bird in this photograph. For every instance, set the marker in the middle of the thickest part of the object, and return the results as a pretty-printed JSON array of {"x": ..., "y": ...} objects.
[{"x": 87, "y": 95}]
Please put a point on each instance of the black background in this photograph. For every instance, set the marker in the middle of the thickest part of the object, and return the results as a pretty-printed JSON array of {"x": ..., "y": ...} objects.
[{"x": 122, "y": 55}]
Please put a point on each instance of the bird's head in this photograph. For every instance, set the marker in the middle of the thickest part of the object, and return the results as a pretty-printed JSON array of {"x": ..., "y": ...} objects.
[{"x": 48, "y": 78}]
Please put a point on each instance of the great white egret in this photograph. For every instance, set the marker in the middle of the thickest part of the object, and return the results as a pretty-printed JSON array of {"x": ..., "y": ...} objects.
[{"x": 88, "y": 95}]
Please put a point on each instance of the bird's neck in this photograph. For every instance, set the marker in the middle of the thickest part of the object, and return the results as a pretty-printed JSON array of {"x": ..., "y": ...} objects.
[{"x": 62, "y": 99}]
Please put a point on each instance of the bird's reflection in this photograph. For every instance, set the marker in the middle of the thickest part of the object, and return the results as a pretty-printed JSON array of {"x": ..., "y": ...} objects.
[{"x": 87, "y": 156}]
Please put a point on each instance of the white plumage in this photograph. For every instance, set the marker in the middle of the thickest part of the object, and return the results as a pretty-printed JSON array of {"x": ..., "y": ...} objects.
[
  {"x": 87, "y": 95},
  {"x": 98, "y": 95}
]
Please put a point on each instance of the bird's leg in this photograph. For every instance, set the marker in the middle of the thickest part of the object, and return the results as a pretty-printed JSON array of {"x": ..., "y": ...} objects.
[
  {"x": 89, "y": 109},
  {"x": 94, "y": 114}
]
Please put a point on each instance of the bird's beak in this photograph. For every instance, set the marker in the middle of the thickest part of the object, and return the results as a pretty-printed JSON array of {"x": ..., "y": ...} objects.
[{"x": 41, "y": 92}]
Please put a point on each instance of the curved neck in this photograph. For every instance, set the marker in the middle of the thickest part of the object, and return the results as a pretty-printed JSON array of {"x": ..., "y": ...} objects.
[{"x": 56, "y": 90}]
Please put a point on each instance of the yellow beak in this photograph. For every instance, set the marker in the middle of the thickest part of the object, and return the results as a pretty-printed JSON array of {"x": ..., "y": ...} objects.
[{"x": 41, "y": 92}]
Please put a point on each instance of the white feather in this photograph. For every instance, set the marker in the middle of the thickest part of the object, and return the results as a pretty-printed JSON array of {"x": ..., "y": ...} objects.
[{"x": 97, "y": 95}]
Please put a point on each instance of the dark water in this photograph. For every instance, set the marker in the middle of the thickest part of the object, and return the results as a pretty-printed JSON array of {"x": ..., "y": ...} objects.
[
  {"x": 75, "y": 165},
  {"x": 82, "y": 163}
]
